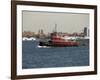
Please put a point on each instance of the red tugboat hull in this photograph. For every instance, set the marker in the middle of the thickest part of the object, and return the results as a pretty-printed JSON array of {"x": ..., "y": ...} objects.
[
  {"x": 58, "y": 44},
  {"x": 65, "y": 44}
]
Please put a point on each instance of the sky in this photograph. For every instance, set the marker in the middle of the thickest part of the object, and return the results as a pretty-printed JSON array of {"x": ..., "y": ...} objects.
[{"x": 66, "y": 22}]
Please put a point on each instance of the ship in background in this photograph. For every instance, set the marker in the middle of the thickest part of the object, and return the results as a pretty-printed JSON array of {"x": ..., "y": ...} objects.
[{"x": 56, "y": 40}]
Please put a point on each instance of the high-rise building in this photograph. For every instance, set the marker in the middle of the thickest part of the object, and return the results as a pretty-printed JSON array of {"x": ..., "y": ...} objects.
[{"x": 86, "y": 31}]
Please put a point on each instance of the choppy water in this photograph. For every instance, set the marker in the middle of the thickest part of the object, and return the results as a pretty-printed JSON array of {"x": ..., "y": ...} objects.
[{"x": 35, "y": 57}]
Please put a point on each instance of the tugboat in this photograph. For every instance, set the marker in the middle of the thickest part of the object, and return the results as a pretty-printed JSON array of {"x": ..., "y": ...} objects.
[{"x": 58, "y": 41}]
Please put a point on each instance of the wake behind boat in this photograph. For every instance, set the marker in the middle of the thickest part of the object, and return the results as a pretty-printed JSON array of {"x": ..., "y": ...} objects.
[{"x": 43, "y": 46}]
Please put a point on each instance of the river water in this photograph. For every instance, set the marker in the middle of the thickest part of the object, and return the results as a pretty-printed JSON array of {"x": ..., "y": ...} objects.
[{"x": 35, "y": 57}]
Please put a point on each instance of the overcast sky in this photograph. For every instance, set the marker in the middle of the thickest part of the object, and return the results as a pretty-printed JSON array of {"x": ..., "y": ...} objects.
[{"x": 66, "y": 22}]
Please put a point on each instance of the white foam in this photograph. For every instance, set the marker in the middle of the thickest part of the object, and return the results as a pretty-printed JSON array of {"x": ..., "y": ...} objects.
[{"x": 43, "y": 46}]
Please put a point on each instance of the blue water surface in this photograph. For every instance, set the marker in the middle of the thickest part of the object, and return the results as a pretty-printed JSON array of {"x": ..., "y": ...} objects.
[{"x": 35, "y": 57}]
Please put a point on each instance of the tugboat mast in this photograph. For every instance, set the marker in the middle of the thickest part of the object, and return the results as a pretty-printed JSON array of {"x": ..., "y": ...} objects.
[{"x": 55, "y": 28}]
